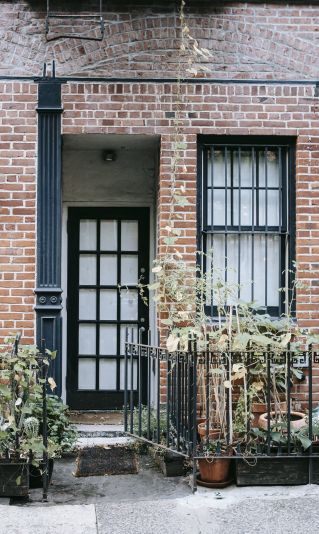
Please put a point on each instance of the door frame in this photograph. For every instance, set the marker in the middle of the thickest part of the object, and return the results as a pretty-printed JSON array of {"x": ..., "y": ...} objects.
[{"x": 74, "y": 213}]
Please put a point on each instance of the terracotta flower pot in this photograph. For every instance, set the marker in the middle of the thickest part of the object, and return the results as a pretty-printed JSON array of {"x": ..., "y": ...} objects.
[
  {"x": 297, "y": 420},
  {"x": 214, "y": 469},
  {"x": 258, "y": 408},
  {"x": 213, "y": 433}
]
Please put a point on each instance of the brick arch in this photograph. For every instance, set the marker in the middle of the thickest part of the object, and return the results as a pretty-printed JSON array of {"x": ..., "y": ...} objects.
[{"x": 146, "y": 43}]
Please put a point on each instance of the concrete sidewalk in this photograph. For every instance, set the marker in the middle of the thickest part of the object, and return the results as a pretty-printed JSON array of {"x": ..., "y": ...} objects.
[
  {"x": 240, "y": 511},
  {"x": 148, "y": 503}
]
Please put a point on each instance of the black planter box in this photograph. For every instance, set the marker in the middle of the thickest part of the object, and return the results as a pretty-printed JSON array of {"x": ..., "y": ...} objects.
[
  {"x": 170, "y": 463},
  {"x": 9, "y": 473},
  {"x": 272, "y": 471}
]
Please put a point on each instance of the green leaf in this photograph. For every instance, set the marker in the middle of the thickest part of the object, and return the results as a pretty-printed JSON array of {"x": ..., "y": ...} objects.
[
  {"x": 18, "y": 481},
  {"x": 169, "y": 240},
  {"x": 153, "y": 287},
  {"x": 4, "y": 390},
  {"x": 182, "y": 201},
  {"x": 305, "y": 442},
  {"x": 241, "y": 341}
]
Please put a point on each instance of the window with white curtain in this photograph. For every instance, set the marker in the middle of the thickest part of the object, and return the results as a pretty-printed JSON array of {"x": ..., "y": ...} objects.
[{"x": 246, "y": 222}]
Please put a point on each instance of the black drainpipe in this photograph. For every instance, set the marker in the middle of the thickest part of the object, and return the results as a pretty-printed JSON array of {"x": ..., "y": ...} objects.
[{"x": 49, "y": 212}]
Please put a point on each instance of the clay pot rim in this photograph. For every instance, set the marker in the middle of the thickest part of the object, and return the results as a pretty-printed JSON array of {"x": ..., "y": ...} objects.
[{"x": 301, "y": 415}]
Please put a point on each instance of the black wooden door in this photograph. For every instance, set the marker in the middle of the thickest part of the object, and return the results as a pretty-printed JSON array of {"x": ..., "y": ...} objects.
[{"x": 108, "y": 253}]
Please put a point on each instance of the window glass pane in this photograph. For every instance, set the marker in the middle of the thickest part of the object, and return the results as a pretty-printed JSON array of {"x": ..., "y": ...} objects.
[
  {"x": 259, "y": 269},
  {"x": 108, "y": 235},
  {"x": 242, "y": 168},
  {"x": 87, "y": 304},
  {"x": 246, "y": 207},
  {"x": 245, "y": 255},
  {"x": 273, "y": 258},
  {"x": 108, "y": 270},
  {"x": 88, "y": 235},
  {"x": 129, "y": 269},
  {"x": 87, "y": 270},
  {"x": 129, "y": 305},
  {"x": 218, "y": 207},
  {"x": 108, "y": 304},
  {"x": 220, "y": 170},
  {"x": 86, "y": 375},
  {"x": 252, "y": 262},
  {"x": 269, "y": 162},
  {"x": 107, "y": 374},
  {"x": 87, "y": 337},
  {"x": 129, "y": 235},
  {"x": 273, "y": 208},
  {"x": 108, "y": 339}
]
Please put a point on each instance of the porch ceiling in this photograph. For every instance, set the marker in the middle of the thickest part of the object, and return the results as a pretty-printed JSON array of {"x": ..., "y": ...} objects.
[{"x": 110, "y": 142}]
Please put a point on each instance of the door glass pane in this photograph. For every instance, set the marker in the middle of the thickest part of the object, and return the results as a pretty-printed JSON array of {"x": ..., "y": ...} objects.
[
  {"x": 129, "y": 305},
  {"x": 107, "y": 374},
  {"x": 108, "y": 235},
  {"x": 122, "y": 374},
  {"x": 129, "y": 270},
  {"x": 129, "y": 235},
  {"x": 108, "y": 270},
  {"x": 88, "y": 235},
  {"x": 86, "y": 376},
  {"x": 108, "y": 339},
  {"x": 108, "y": 304},
  {"x": 87, "y": 269},
  {"x": 130, "y": 338},
  {"x": 87, "y": 337},
  {"x": 87, "y": 304}
]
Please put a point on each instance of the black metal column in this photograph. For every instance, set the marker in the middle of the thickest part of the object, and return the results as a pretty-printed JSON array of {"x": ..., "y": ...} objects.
[{"x": 49, "y": 199}]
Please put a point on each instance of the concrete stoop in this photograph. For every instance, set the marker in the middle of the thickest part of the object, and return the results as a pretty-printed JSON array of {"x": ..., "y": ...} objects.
[{"x": 104, "y": 450}]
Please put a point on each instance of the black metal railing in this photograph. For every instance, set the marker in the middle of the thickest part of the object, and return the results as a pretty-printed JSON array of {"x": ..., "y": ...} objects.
[{"x": 200, "y": 403}]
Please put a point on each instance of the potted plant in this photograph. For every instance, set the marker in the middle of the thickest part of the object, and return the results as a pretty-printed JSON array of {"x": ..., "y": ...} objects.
[
  {"x": 214, "y": 466},
  {"x": 22, "y": 385},
  {"x": 18, "y": 382}
]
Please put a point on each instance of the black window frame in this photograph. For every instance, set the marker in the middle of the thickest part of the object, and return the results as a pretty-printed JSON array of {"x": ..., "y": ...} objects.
[{"x": 286, "y": 230}]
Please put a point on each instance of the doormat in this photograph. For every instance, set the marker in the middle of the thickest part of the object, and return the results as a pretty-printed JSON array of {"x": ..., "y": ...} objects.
[{"x": 109, "y": 460}]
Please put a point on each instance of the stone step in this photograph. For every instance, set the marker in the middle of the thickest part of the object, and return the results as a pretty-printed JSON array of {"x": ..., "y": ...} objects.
[
  {"x": 103, "y": 441},
  {"x": 100, "y": 431}
]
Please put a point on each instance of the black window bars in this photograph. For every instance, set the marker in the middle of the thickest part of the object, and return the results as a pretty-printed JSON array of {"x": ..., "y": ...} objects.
[{"x": 246, "y": 220}]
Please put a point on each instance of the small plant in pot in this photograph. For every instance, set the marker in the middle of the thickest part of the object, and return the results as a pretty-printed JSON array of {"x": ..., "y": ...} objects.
[
  {"x": 214, "y": 467},
  {"x": 21, "y": 383}
]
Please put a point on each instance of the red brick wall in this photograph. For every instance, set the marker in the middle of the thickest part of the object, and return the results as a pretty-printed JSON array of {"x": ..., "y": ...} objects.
[
  {"x": 17, "y": 208},
  {"x": 214, "y": 109},
  {"x": 246, "y": 40}
]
